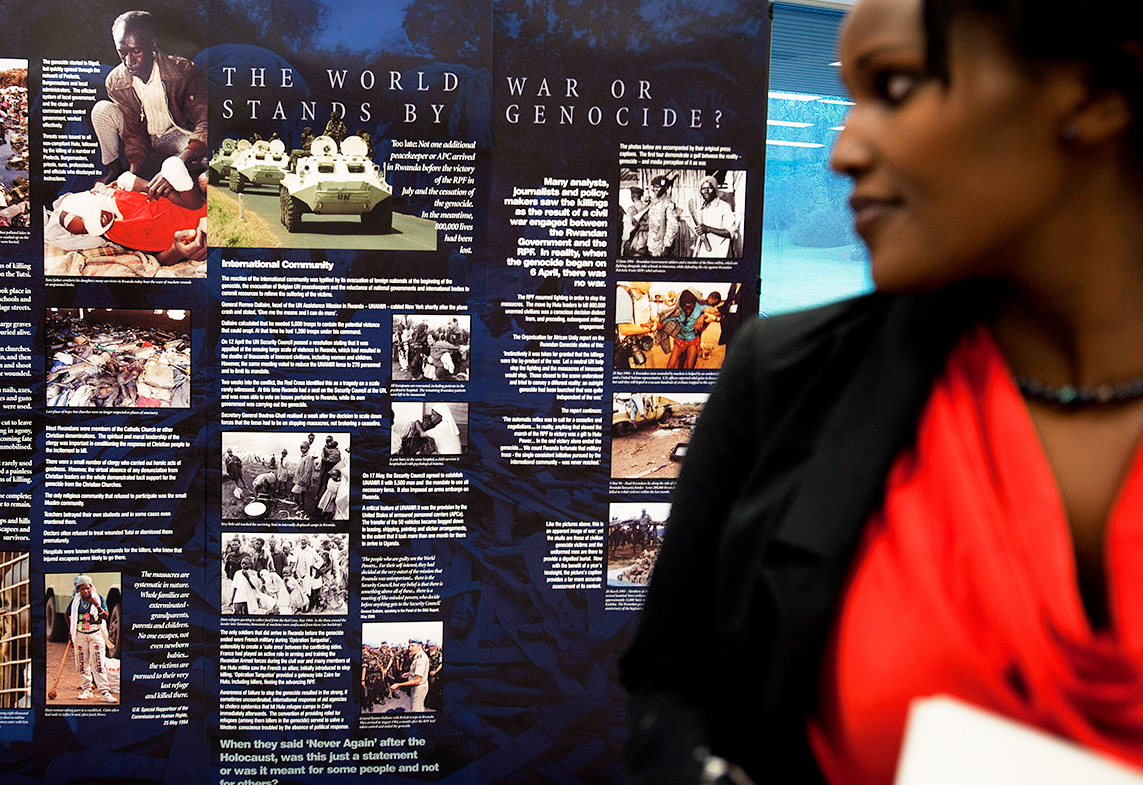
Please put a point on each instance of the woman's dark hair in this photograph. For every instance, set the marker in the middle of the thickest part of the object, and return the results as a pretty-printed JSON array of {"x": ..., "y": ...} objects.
[
  {"x": 687, "y": 297},
  {"x": 1104, "y": 35}
]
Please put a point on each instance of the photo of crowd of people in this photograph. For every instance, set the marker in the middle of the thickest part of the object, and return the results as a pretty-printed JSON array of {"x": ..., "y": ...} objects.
[
  {"x": 283, "y": 476},
  {"x": 14, "y": 187},
  {"x": 674, "y": 325},
  {"x": 431, "y": 348},
  {"x": 266, "y": 574},
  {"x": 681, "y": 213},
  {"x": 422, "y": 428},
  {"x": 402, "y": 667},
  {"x": 650, "y": 432},
  {"x": 634, "y": 532},
  {"x": 146, "y": 215},
  {"x": 118, "y": 358}
]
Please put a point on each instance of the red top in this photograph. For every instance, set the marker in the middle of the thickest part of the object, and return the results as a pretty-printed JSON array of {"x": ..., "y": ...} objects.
[
  {"x": 150, "y": 225},
  {"x": 965, "y": 585}
]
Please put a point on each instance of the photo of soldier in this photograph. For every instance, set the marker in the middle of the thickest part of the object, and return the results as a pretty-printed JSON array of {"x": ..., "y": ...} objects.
[
  {"x": 284, "y": 574},
  {"x": 285, "y": 476},
  {"x": 402, "y": 667},
  {"x": 634, "y": 532},
  {"x": 426, "y": 429},
  {"x": 633, "y": 238},
  {"x": 431, "y": 348},
  {"x": 681, "y": 213}
]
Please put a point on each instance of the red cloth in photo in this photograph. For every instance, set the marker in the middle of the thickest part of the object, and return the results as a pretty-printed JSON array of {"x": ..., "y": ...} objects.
[
  {"x": 965, "y": 585},
  {"x": 149, "y": 226}
]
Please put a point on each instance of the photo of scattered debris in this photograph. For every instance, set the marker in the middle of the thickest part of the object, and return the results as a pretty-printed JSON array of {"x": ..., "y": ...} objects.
[
  {"x": 115, "y": 358},
  {"x": 650, "y": 432},
  {"x": 14, "y": 210}
]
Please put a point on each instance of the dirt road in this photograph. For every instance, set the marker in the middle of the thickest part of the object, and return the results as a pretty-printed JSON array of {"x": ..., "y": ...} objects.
[{"x": 68, "y": 690}]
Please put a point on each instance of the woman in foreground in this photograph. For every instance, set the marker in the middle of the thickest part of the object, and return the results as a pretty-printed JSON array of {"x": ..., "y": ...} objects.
[{"x": 935, "y": 489}]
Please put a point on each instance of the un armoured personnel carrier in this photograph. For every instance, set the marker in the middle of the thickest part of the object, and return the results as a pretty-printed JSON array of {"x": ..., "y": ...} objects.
[
  {"x": 262, "y": 164},
  {"x": 329, "y": 182},
  {"x": 218, "y": 168}
]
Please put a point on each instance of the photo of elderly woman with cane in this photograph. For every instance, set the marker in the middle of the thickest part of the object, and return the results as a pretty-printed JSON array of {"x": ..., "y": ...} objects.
[{"x": 936, "y": 489}]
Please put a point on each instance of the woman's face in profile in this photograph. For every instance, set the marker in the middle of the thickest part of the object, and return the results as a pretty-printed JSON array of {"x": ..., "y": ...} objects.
[{"x": 950, "y": 180}]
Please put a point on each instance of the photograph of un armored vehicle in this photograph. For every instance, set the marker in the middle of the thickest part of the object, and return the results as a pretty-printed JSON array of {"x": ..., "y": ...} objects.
[
  {"x": 333, "y": 182},
  {"x": 218, "y": 168},
  {"x": 263, "y": 163}
]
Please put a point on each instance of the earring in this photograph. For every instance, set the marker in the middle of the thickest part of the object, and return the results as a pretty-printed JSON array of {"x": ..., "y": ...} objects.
[{"x": 1070, "y": 133}]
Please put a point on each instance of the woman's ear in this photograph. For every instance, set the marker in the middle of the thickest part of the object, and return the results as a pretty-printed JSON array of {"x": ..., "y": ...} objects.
[
  {"x": 1102, "y": 118},
  {"x": 1093, "y": 114}
]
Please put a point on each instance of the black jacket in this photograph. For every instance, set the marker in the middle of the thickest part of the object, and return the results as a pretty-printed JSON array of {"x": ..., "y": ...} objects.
[{"x": 787, "y": 463}]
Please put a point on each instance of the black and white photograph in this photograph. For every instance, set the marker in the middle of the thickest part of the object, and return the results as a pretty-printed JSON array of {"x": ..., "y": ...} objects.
[
  {"x": 285, "y": 476},
  {"x": 117, "y": 358},
  {"x": 675, "y": 325},
  {"x": 424, "y": 428},
  {"x": 634, "y": 532},
  {"x": 681, "y": 213},
  {"x": 650, "y": 432},
  {"x": 274, "y": 574},
  {"x": 431, "y": 348},
  {"x": 402, "y": 667}
]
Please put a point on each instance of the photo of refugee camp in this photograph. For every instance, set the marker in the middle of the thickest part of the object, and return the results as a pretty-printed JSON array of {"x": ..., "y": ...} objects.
[
  {"x": 402, "y": 666},
  {"x": 422, "y": 428},
  {"x": 650, "y": 432},
  {"x": 431, "y": 348},
  {"x": 675, "y": 324},
  {"x": 14, "y": 211},
  {"x": 117, "y": 358},
  {"x": 84, "y": 618},
  {"x": 275, "y": 574},
  {"x": 145, "y": 215},
  {"x": 285, "y": 476},
  {"x": 634, "y": 531}
]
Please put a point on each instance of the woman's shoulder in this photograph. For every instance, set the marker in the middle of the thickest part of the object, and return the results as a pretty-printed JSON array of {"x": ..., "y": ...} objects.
[
  {"x": 873, "y": 321},
  {"x": 777, "y": 343}
]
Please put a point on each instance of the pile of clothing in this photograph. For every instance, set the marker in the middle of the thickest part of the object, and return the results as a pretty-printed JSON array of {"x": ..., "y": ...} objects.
[
  {"x": 14, "y": 132},
  {"x": 118, "y": 368}
]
